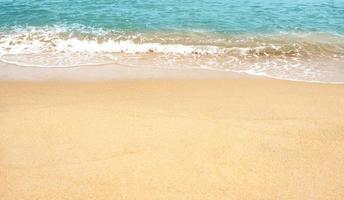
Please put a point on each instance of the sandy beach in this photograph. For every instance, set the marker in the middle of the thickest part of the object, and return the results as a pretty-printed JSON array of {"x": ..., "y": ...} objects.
[
  {"x": 171, "y": 139},
  {"x": 171, "y": 100}
]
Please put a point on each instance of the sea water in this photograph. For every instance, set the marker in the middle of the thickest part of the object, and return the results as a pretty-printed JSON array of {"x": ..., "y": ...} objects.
[{"x": 291, "y": 39}]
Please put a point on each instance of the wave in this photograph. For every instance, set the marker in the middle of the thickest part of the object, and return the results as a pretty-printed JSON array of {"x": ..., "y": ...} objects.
[{"x": 297, "y": 56}]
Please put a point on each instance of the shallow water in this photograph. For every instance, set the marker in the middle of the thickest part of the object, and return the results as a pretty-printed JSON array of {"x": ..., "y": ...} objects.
[{"x": 293, "y": 39}]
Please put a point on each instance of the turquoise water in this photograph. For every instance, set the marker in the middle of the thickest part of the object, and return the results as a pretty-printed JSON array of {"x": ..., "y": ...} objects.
[
  {"x": 228, "y": 16},
  {"x": 290, "y": 39}
]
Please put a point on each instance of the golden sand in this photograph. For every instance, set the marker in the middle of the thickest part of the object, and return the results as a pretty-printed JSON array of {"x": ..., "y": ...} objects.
[{"x": 171, "y": 139}]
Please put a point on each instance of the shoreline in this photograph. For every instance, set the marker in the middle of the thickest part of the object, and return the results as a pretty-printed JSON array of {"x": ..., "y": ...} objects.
[
  {"x": 111, "y": 72},
  {"x": 171, "y": 100},
  {"x": 171, "y": 139},
  {"x": 309, "y": 56},
  {"x": 91, "y": 73}
]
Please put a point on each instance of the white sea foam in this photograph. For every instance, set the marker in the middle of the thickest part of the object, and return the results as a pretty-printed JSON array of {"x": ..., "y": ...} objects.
[
  {"x": 308, "y": 57},
  {"x": 58, "y": 41},
  {"x": 128, "y": 46}
]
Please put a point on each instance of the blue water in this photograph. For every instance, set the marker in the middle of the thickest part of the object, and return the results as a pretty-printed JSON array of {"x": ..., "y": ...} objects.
[
  {"x": 228, "y": 16},
  {"x": 290, "y": 39}
]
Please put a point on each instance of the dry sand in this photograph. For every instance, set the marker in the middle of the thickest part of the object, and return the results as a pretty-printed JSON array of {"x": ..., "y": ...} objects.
[{"x": 171, "y": 139}]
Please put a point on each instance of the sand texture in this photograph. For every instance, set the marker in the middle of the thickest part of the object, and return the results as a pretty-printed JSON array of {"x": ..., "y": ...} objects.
[{"x": 171, "y": 139}]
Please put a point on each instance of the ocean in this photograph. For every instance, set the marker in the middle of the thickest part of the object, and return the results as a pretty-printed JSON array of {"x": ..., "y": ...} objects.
[{"x": 299, "y": 40}]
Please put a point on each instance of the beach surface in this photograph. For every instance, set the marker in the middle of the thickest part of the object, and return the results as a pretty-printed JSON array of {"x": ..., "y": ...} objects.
[{"x": 171, "y": 139}]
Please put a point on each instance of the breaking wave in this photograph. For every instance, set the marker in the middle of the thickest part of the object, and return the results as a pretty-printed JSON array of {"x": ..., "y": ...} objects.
[{"x": 293, "y": 56}]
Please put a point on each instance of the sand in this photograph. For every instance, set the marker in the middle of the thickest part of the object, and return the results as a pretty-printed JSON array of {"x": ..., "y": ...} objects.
[{"x": 171, "y": 139}]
